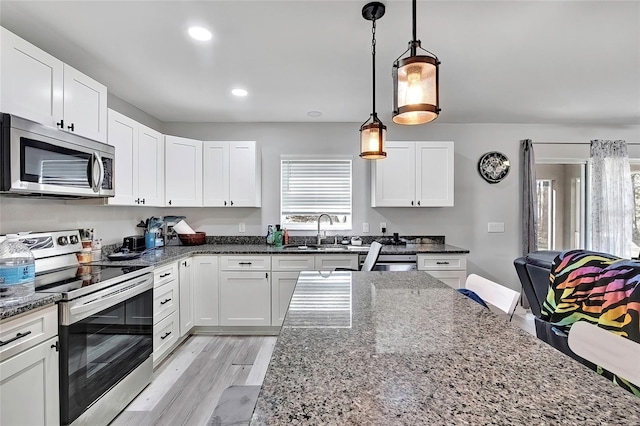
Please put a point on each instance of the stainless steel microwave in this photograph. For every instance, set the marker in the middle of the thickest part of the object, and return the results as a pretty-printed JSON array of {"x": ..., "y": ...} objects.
[{"x": 40, "y": 160}]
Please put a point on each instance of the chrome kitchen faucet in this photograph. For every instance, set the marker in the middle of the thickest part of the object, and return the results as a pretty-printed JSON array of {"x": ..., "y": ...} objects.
[{"x": 321, "y": 235}]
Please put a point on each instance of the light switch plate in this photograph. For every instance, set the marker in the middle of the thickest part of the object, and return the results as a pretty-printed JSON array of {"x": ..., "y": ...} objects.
[
  {"x": 365, "y": 227},
  {"x": 495, "y": 227},
  {"x": 241, "y": 227}
]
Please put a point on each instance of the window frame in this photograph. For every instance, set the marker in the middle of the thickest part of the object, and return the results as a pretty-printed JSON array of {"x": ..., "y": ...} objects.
[{"x": 308, "y": 226}]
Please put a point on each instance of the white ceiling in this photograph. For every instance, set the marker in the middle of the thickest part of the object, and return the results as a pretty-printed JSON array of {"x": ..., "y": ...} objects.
[{"x": 502, "y": 61}]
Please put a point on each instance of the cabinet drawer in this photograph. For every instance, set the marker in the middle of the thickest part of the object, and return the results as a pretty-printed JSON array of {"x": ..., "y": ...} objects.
[
  {"x": 165, "y": 335},
  {"x": 329, "y": 262},
  {"x": 165, "y": 300},
  {"x": 441, "y": 262},
  {"x": 245, "y": 263},
  {"x": 30, "y": 329},
  {"x": 164, "y": 274},
  {"x": 292, "y": 263}
]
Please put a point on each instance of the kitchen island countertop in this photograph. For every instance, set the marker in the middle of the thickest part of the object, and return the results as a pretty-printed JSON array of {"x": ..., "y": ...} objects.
[{"x": 406, "y": 349}]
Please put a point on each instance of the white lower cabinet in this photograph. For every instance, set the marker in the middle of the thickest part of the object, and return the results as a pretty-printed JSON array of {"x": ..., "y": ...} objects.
[
  {"x": 245, "y": 298},
  {"x": 205, "y": 291},
  {"x": 166, "y": 310},
  {"x": 451, "y": 269},
  {"x": 285, "y": 270},
  {"x": 186, "y": 295},
  {"x": 282, "y": 286},
  {"x": 329, "y": 262},
  {"x": 245, "y": 290},
  {"x": 29, "y": 369}
]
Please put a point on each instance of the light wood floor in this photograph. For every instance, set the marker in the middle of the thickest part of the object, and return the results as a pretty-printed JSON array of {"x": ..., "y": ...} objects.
[{"x": 186, "y": 388}]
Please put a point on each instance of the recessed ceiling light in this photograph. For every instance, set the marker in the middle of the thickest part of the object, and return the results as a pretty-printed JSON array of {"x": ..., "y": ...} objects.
[
  {"x": 239, "y": 92},
  {"x": 314, "y": 114},
  {"x": 200, "y": 33}
]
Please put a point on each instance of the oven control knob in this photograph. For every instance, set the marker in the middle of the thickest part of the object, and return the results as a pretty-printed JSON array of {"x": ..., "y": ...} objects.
[
  {"x": 73, "y": 239},
  {"x": 63, "y": 241}
]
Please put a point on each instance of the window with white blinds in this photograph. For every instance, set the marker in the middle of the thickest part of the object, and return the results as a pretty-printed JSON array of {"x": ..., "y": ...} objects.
[{"x": 310, "y": 187}]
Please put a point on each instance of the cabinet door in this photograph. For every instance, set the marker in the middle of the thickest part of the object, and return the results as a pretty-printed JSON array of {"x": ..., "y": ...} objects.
[
  {"x": 393, "y": 179},
  {"x": 186, "y": 296},
  {"x": 183, "y": 172},
  {"x": 282, "y": 286},
  {"x": 216, "y": 174},
  {"x": 150, "y": 167},
  {"x": 31, "y": 81},
  {"x": 434, "y": 174},
  {"x": 454, "y": 279},
  {"x": 123, "y": 135},
  {"x": 85, "y": 105},
  {"x": 245, "y": 298},
  {"x": 29, "y": 387},
  {"x": 205, "y": 290},
  {"x": 244, "y": 172}
]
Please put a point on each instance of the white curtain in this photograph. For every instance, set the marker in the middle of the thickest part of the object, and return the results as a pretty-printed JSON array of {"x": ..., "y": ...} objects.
[{"x": 611, "y": 198}]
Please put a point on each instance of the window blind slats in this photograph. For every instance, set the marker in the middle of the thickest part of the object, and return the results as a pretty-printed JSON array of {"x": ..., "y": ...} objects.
[{"x": 312, "y": 187}]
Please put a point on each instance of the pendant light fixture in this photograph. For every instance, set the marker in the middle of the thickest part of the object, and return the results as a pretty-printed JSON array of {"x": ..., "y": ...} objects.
[
  {"x": 372, "y": 132},
  {"x": 415, "y": 84}
]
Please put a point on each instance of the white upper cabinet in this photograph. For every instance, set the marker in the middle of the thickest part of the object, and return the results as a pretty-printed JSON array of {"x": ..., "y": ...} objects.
[
  {"x": 414, "y": 174},
  {"x": 232, "y": 174},
  {"x": 31, "y": 81},
  {"x": 139, "y": 162},
  {"x": 39, "y": 87},
  {"x": 183, "y": 172},
  {"x": 85, "y": 105}
]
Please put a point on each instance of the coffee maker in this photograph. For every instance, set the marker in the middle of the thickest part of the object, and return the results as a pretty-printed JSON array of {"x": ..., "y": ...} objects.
[{"x": 169, "y": 235}]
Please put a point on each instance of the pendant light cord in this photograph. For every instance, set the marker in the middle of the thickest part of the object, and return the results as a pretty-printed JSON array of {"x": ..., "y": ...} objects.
[{"x": 373, "y": 63}]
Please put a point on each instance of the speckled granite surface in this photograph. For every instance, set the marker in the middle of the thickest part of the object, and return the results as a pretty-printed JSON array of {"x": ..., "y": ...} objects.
[
  {"x": 169, "y": 254},
  {"x": 38, "y": 300},
  {"x": 417, "y": 352}
]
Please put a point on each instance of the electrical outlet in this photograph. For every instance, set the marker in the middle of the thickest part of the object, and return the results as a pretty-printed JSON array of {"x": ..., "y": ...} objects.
[
  {"x": 241, "y": 227},
  {"x": 495, "y": 227},
  {"x": 365, "y": 227},
  {"x": 383, "y": 227}
]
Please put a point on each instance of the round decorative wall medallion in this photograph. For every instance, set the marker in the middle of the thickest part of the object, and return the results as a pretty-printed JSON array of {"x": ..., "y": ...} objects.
[{"x": 493, "y": 166}]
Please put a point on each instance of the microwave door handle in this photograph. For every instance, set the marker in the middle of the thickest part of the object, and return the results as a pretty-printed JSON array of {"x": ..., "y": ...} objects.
[{"x": 97, "y": 185}]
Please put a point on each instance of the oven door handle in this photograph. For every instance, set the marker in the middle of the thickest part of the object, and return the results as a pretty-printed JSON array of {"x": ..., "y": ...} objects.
[{"x": 84, "y": 307}]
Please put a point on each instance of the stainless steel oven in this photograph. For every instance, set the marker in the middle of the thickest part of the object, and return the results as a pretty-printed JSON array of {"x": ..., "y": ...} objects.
[
  {"x": 44, "y": 161},
  {"x": 105, "y": 328},
  {"x": 106, "y": 341}
]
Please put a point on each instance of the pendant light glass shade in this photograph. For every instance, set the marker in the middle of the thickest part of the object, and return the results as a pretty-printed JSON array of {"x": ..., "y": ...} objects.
[
  {"x": 415, "y": 84},
  {"x": 372, "y": 138},
  {"x": 415, "y": 90}
]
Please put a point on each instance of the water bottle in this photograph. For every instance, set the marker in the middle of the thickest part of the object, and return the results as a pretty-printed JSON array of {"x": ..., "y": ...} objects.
[{"x": 17, "y": 271}]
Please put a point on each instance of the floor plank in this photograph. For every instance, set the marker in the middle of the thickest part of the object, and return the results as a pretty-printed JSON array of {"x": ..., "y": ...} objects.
[{"x": 187, "y": 386}]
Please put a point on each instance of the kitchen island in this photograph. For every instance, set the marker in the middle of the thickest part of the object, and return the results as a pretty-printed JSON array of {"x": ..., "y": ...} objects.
[{"x": 403, "y": 348}]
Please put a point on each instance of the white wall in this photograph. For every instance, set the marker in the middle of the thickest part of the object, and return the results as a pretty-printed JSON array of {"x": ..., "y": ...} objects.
[{"x": 464, "y": 225}]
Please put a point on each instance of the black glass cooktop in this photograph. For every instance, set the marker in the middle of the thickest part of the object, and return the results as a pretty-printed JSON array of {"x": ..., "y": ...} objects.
[{"x": 70, "y": 279}]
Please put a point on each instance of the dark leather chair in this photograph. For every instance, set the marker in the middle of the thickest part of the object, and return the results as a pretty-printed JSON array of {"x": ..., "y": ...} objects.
[{"x": 533, "y": 271}]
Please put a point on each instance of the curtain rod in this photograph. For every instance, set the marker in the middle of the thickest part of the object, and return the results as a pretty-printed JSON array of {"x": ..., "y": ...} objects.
[{"x": 575, "y": 143}]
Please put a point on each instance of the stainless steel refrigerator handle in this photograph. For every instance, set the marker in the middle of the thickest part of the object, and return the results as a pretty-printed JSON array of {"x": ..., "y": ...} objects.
[{"x": 97, "y": 185}]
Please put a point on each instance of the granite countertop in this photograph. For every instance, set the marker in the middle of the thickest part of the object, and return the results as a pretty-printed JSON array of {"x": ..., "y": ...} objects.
[
  {"x": 170, "y": 254},
  {"x": 402, "y": 348},
  {"x": 36, "y": 301}
]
